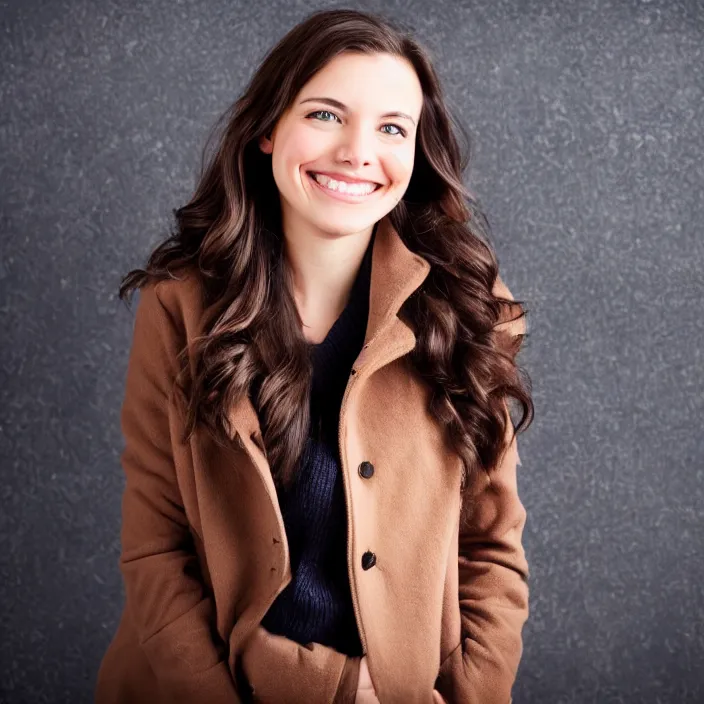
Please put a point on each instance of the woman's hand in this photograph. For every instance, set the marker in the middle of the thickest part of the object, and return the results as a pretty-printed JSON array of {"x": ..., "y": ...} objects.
[{"x": 365, "y": 689}]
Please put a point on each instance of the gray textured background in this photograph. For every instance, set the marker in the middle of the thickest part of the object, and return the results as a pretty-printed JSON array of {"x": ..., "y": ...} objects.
[{"x": 588, "y": 126}]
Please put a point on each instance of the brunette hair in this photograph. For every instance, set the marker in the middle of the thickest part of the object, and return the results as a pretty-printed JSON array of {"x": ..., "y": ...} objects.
[{"x": 229, "y": 235}]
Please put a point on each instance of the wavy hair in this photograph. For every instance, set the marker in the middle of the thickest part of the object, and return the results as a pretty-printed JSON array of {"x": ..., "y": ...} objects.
[{"x": 468, "y": 326}]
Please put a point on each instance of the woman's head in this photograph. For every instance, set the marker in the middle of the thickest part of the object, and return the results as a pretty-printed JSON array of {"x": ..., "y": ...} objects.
[
  {"x": 256, "y": 183},
  {"x": 273, "y": 138},
  {"x": 354, "y": 120}
]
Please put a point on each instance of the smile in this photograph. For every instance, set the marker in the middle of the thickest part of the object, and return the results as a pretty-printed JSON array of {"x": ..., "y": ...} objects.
[{"x": 342, "y": 190}]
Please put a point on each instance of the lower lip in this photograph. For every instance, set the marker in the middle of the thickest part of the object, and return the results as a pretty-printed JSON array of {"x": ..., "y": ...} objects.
[{"x": 347, "y": 197}]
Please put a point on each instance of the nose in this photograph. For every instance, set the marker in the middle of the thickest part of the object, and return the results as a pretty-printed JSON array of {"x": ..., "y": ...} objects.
[{"x": 356, "y": 146}]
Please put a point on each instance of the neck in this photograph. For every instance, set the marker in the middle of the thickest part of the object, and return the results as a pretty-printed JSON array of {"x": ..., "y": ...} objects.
[{"x": 322, "y": 271}]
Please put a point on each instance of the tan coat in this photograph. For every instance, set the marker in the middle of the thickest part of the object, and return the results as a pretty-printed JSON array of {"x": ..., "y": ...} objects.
[{"x": 204, "y": 550}]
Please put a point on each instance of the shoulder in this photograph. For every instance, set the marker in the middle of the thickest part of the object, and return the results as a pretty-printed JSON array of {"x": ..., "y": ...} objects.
[
  {"x": 167, "y": 317},
  {"x": 180, "y": 297}
]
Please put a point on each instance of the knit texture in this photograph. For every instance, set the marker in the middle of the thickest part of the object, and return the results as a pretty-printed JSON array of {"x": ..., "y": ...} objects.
[{"x": 317, "y": 605}]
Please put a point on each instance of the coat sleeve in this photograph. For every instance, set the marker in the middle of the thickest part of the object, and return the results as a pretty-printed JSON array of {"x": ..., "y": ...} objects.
[
  {"x": 493, "y": 584},
  {"x": 172, "y": 612}
]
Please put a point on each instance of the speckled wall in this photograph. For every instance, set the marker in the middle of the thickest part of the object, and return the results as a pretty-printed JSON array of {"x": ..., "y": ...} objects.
[{"x": 588, "y": 125}]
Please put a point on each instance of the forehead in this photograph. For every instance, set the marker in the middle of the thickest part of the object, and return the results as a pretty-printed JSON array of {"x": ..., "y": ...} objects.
[{"x": 381, "y": 81}]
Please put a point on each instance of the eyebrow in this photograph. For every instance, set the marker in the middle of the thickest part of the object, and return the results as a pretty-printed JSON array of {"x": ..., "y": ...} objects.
[{"x": 341, "y": 106}]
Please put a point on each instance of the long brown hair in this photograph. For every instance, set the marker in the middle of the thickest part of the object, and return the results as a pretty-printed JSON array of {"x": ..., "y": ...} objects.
[{"x": 229, "y": 235}]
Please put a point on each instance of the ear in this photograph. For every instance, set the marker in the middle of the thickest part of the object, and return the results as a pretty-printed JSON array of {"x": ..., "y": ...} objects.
[{"x": 265, "y": 144}]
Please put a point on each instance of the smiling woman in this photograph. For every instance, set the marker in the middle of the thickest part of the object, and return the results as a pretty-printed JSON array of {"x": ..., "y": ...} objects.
[{"x": 320, "y": 502}]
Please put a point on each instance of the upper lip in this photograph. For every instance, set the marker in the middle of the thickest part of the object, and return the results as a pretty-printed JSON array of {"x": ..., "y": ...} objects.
[{"x": 343, "y": 177}]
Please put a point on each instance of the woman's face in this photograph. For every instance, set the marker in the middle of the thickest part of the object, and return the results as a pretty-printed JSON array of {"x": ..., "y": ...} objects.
[{"x": 340, "y": 125}]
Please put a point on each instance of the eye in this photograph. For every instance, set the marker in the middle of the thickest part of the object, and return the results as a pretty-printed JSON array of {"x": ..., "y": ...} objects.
[
  {"x": 322, "y": 112},
  {"x": 400, "y": 133}
]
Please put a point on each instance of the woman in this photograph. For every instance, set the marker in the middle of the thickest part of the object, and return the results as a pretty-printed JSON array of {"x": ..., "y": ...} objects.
[{"x": 320, "y": 500}]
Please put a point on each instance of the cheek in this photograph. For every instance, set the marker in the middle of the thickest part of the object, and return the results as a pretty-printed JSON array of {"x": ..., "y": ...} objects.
[
  {"x": 293, "y": 150},
  {"x": 301, "y": 148},
  {"x": 399, "y": 165}
]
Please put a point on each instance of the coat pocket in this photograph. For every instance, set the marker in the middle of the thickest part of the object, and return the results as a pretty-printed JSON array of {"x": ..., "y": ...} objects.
[{"x": 282, "y": 671}]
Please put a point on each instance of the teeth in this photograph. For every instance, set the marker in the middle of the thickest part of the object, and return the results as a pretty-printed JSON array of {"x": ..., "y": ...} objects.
[{"x": 354, "y": 189}]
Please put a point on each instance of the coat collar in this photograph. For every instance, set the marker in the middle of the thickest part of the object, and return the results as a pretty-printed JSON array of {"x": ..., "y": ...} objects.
[{"x": 396, "y": 273}]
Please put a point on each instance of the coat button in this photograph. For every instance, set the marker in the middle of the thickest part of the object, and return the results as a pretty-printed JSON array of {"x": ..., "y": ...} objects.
[
  {"x": 366, "y": 469},
  {"x": 368, "y": 560}
]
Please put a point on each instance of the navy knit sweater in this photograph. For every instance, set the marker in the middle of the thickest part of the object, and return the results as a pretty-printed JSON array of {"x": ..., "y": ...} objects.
[{"x": 317, "y": 605}]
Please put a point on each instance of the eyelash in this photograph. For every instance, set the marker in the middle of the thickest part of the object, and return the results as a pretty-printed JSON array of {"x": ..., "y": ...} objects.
[{"x": 402, "y": 131}]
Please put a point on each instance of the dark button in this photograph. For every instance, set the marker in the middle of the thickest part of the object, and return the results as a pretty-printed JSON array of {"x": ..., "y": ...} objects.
[
  {"x": 368, "y": 560},
  {"x": 366, "y": 469}
]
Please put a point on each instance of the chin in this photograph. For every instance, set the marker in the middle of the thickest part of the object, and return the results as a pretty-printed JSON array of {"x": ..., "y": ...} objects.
[{"x": 340, "y": 226}]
